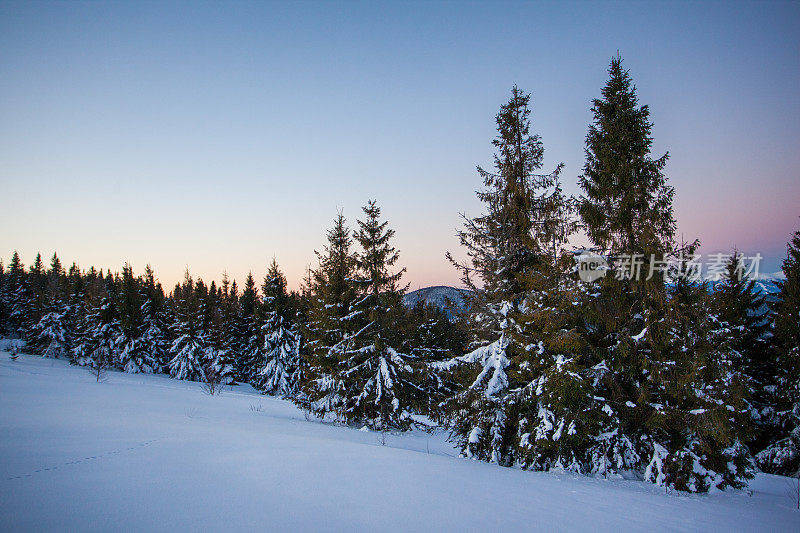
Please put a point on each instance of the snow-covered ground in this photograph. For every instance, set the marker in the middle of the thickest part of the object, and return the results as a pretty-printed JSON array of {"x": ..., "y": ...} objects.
[{"x": 151, "y": 453}]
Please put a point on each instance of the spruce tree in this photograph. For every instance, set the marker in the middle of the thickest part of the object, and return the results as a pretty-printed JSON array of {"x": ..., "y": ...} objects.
[
  {"x": 626, "y": 211},
  {"x": 134, "y": 355},
  {"x": 188, "y": 350},
  {"x": 97, "y": 346},
  {"x": 51, "y": 334},
  {"x": 697, "y": 413},
  {"x": 154, "y": 331},
  {"x": 627, "y": 204},
  {"x": 248, "y": 362},
  {"x": 279, "y": 342},
  {"x": 332, "y": 321},
  {"x": 743, "y": 315},
  {"x": 234, "y": 331},
  {"x": 218, "y": 356},
  {"x": 371, "y": 381},
  {"x": 504, "y": 245},
  {"x": 35, "y": 300},
  {"x": 670, "y": 403},
  {"x": 4, "y": 301},
  {"x": 782, "y": 456},
  {"x": 16, "y": 289}
]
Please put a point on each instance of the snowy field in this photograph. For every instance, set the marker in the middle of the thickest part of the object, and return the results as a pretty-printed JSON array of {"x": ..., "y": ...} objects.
[{"x": 151, "y": 453}]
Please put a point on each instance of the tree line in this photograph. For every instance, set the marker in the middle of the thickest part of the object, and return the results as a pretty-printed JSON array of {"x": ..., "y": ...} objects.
[{"x": 661, "y": 377}]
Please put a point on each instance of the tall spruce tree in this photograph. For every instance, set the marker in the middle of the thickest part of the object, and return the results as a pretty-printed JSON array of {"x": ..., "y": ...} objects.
[
  {"x": 332, "y": 321},
  {"x": 626, "y": 211},
  {"x": 35, "y": 298},
  {"x": 668, "y": 402},
  {"x": 627, "y": 204},
  {"x": 504, "y": 245},
  {"x": 98, "y": 345}
]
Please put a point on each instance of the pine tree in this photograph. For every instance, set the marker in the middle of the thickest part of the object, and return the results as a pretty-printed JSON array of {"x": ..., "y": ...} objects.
[
  {"x": 782, "y": 456},
  {"x": 279, "y": 342}
]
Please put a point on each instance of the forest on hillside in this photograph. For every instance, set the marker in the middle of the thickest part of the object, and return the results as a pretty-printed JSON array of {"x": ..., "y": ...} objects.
[{"x": 649, "y": 373}]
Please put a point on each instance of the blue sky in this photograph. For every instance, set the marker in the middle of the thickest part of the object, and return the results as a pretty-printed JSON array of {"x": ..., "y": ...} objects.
[{"x": 219, "y": 135}]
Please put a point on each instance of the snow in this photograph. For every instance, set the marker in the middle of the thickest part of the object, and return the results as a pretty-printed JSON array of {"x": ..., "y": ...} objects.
[{"x": 146, "y": 452}]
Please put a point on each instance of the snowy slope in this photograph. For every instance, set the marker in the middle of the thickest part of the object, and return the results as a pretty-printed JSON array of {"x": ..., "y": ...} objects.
[{"x": 150, "y": 453}]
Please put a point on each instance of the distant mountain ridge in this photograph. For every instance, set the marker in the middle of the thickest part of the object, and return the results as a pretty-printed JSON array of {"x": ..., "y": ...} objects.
[
  {"x": 453, "y": 300},
  {"x": 447, "y": 298}
]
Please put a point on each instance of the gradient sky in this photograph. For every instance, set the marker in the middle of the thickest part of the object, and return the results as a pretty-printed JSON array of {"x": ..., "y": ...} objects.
[{"x": 219, "y": 135}]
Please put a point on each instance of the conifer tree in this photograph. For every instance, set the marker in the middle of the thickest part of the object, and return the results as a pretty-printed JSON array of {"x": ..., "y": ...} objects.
[
  {"x": 135, "y": 354},
  {"x": 671, "y": 403},
  {"x": 234, "y": 332},
  {"x": 154, "y": 331},
  {"x": 51, "y": 334},
  {"x": 248, "y": 363},
  {"x": 506, "y": 244},
  {"x": 279, "y": 342},
  {"x": 188, "y": 350},
  {"x": 35, "y": 300},
  {"x": 742, "y": 312},
  {"x": 697, "y": 413},
  {"x": 4, "y": 300},
  {"x": 624, "y": 190},
  {"x": 627, "y": 204},
  {"x": 332, "y": 321},
  {"x": 16, "y": 289},
  {"x": 378, "y": 383},
  {"x": 782, "y": 456},
  {"x": 97, "y": 347},
  {"x": 218, "y": 356}
]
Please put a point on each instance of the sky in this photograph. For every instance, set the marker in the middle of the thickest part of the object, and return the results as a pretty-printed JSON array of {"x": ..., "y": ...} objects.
[{"x": 216, "y": 136}]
